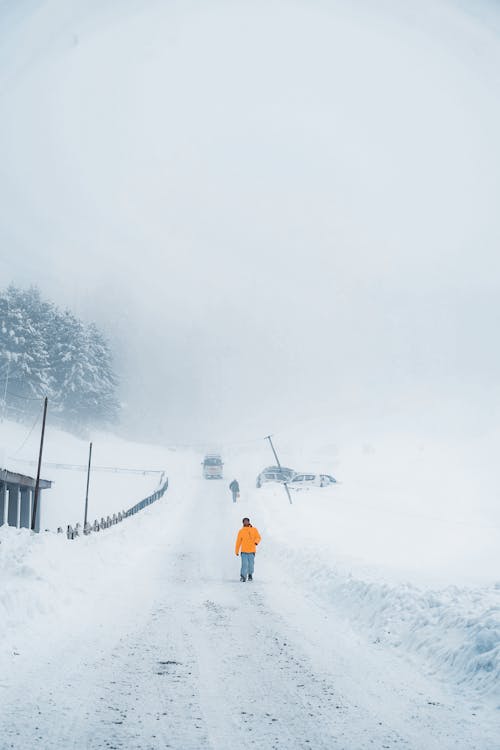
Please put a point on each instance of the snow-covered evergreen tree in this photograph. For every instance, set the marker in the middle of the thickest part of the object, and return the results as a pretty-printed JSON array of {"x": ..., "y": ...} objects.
[
  {"x": 85, "y": 382},
  {"x": 44, "y": 351},
  {"x": 105, "y": 381},
  {"x": 24, "y": 360},
  {"x": 68, "y": 364}
]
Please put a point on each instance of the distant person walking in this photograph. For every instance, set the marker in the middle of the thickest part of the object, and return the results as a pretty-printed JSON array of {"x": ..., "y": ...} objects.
[
  {"x": 235, "y": 489},
  {"x": 247, "y": 540}
]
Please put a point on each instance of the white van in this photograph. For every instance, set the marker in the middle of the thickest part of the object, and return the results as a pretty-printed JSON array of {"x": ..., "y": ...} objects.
[{"x": 212, "y": 466}]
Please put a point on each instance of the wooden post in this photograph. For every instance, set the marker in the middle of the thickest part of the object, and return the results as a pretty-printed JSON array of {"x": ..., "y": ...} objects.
[
  {"x": 37, "y": 485},
  {"x": 30, "y": 503},
  {"x": 25, "y": 516},
  {"x": 18, "y": 497},
  {"x": 11, "y": 518},
  {"x": 5, "y": 505}
]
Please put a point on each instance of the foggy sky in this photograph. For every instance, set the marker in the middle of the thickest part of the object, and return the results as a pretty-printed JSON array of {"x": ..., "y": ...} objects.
[{"x": 278, "y": 211}]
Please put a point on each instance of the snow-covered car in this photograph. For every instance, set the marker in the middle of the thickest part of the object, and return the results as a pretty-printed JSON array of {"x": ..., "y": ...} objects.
[
  {"x": 304, "y": 481},
  {"x": 212, "y": 466},
  {"x": 279, "y": 474},
  {"x": 328, "y": 479}
]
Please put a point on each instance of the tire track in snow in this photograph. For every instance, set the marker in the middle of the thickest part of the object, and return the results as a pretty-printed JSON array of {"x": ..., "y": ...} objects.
[
  {"x": 259, "y": 689},
  {"x": 257, "y": 686}
]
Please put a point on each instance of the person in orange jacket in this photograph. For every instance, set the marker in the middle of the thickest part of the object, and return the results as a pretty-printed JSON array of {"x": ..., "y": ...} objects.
[{"x": 247, "y": 540}]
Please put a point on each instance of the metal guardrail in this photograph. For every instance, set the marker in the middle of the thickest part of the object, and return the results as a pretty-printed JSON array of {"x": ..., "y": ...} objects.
[{"x": 105, "y": 523}]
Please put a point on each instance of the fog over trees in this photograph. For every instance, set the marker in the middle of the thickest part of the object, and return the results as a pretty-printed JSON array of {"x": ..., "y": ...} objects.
[{"x": 46, "y": 351}]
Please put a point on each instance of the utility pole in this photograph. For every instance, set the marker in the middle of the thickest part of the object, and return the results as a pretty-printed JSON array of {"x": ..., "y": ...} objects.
[
  {"x": 285, "y": 484},
  {"x": 87, "y": 493},
  {"x": 37, "y": 484}
]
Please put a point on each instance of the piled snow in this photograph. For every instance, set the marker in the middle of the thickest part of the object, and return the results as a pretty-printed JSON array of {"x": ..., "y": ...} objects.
[
  {"x": 51, "y": 586},
  {"x": 455, "y": 630},
  {"x": 48, "y": 581}
]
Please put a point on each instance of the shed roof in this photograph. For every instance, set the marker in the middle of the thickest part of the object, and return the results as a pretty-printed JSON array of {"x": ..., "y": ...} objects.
[{"x": 11, "y": 477}]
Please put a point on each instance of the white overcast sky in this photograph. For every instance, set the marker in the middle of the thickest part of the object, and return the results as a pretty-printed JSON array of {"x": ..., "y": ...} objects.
[{"x": 278, "y": 210}]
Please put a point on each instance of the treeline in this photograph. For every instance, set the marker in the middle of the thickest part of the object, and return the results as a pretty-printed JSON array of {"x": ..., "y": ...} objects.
[{"x": 46, "y": 351}]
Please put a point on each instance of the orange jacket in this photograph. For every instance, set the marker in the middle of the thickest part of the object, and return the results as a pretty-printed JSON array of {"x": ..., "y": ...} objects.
[{"x": 248, "y": 539}]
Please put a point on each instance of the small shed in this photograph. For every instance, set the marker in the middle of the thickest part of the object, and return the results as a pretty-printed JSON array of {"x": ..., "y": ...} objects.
[{"x": 17, "y": 493}]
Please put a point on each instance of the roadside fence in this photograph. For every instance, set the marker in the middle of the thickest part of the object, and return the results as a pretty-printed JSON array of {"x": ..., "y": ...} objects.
[{"x": 73, "y": 532}]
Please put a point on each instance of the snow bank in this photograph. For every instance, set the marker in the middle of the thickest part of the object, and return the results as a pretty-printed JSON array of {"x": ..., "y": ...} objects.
[
  {"x": 455, "y": 631},
  {"x": 49, "y": 582},
  {"x": 46, "y": 580}
]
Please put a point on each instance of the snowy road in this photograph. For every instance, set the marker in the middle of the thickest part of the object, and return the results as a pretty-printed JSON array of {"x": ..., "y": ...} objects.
[{"x": 183, "y": 655}]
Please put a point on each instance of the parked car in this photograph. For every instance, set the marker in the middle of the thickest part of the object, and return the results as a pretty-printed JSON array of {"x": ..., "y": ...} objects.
[
  {"x": 212, "y": 466},
  {"x": 279, "y": 474},
  {"x": 304, "y": 481},
  {"x": 328, "y": 479}
]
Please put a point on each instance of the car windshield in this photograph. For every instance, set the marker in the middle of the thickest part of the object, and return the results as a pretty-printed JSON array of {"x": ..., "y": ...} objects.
[{"x": 212, "y": 462}]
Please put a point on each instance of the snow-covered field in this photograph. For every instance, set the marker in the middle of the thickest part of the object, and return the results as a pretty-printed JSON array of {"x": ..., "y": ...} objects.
[
  {"x": 351, "y": 636},
  {"x": 65, "y": 459}
]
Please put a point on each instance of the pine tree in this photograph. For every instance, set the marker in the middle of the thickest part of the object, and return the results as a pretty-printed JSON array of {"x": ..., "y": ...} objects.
[
  {"x": 44, "y": 351},
  {"x": 66, "y": 334},
  {"x": 104, "y": 381},
  {"x": 24, "y": 360}
]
